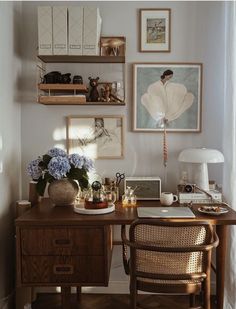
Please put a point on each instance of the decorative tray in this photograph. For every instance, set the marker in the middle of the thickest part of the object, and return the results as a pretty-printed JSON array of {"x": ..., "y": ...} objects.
[
  {"x": 79, "y": 208},
  {"x": 213, "y": 210}
]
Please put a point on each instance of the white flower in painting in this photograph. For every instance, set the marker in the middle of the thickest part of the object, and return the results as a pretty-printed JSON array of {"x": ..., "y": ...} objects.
[{"x": 169, "y": 100}]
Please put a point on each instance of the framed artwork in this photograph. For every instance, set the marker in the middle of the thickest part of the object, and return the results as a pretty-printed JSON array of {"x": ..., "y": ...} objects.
[
  {"x": 99, "y": 137},
  {"x": 167, "y": 94},
  {"x": 155, "y": 30}
]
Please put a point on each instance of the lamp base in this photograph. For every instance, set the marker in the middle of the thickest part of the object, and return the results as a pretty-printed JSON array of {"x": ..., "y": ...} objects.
[{"x": 201, "y": 176}]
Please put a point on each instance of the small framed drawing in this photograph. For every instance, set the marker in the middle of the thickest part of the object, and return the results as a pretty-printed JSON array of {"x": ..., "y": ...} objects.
[
  {"x": 167, "y": 94},
  {"x": 99, "y": 137},
  {"x": 155, "y": 30}
]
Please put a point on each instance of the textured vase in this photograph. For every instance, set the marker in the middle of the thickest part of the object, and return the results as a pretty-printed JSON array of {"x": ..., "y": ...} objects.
[{"x": 63, "y": 192}]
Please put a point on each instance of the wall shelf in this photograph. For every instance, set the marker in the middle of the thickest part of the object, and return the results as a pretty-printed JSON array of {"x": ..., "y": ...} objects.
[
  {"x": 74, "y": 94},
  {"x": 72, "y": 100},
  {"x": 64, "y": 87},
  {"x": 81, "y": 59}
]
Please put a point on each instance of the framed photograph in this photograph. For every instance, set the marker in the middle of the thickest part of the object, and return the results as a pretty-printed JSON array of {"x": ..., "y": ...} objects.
[
  {"x": 99, "y": 137},
  {"x": 167, "y": 94},
  {"x": 155, "y": 30}
]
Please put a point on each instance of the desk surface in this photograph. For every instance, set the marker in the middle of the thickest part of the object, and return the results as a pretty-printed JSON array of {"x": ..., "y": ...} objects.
[{"x": 46, "y": 213}]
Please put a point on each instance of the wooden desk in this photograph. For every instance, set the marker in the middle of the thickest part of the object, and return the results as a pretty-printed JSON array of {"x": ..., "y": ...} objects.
[{"x": 58, "y": 247}]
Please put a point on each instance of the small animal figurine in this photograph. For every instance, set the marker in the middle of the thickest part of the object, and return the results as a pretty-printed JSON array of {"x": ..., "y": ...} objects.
[
  {"x": 94, "y": 95},
  {"x": 106, "y": 93}
]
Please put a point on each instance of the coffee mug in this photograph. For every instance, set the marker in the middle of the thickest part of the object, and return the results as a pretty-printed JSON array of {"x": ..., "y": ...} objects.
[{"x": 167, "y": 198}]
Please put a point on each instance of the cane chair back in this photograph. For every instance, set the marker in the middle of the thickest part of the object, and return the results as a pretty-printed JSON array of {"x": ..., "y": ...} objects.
[{"x": 169, "y": 257}]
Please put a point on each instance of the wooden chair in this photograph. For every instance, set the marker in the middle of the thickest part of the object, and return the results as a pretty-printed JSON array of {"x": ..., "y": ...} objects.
[{"x": 169, "y": 257}]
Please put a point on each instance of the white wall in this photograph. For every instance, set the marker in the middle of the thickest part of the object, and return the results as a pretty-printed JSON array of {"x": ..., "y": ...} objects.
[
  {"x": 197, "y": 36},
  {"x": 10, "y": 143}
]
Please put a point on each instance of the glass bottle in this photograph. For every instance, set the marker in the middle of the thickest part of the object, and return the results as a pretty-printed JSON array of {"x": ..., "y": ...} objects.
[{"x": 129, "y": 198}]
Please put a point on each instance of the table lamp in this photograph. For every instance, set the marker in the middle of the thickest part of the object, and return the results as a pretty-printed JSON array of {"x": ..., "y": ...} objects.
[{"x": 200, "y": 157}]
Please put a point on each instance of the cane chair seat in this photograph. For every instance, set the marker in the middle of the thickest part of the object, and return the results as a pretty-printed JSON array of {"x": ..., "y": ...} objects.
[{"x": 169, "y": 257}]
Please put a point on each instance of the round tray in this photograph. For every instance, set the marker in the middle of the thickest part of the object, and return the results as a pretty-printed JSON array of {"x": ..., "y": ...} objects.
[
  {"x": 79, "y": 208},
  {"x": 207, "y": 210}
]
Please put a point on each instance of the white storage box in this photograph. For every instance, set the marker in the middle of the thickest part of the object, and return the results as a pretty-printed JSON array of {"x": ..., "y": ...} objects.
[
  {"x": 75, "y": 29},
  {"x": 91, "y": 31},
  {"x": 44, "y": 30},
  {"x": 60, "y": 30}
]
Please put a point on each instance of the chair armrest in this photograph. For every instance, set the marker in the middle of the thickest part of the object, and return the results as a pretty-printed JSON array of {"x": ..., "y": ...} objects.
[{"x": 215, "y": 241}]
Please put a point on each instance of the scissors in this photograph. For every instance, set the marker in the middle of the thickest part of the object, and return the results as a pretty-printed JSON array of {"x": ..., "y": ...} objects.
[{"x": 119, "y": 177}]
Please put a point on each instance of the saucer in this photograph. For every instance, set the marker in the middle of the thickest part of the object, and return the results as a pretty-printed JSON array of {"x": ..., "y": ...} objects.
[
  {"x": 213, "y": 210},
  {"x": 79, "y": 208}
]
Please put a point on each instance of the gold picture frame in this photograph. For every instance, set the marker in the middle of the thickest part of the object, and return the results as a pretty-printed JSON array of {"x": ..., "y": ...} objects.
[
  {"x": 99, "y": 136},
  {"x": 155, "y": 30}
]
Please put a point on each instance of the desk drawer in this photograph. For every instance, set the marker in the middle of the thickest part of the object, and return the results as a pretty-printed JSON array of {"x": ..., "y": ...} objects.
[
  {"x": 62, "y": 241},
  {"x": 63, "y": 269}
]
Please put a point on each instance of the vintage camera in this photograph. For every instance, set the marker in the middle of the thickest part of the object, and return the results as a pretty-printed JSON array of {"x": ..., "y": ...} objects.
[
  {"x": 187, "y": 188},
  {"x": 56, "y": 77}
]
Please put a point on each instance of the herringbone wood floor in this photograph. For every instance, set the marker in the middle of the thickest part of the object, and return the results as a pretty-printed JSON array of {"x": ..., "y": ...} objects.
[{"x": 113, "y": 301}]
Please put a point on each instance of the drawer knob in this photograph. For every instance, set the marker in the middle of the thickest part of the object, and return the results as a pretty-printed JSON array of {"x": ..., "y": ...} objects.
[
  {"x": 63, "y": 269},
  {"x": 62, "y": 242}
]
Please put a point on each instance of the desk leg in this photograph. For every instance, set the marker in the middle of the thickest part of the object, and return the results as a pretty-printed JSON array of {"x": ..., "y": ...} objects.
[
  {"x": 78, "y": 293},
  {"x": 221, "y": 231},
  {"x": 65, "y": 297}
]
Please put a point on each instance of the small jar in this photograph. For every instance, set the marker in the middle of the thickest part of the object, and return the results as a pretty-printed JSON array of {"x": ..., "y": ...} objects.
[{"x": 129, "y": 199}]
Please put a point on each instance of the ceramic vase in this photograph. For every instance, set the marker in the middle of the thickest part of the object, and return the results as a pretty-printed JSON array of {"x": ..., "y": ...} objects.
[{"x": 63, "y": 192}]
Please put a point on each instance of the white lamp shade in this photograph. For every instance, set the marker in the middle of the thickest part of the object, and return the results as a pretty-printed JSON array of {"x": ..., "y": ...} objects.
[{"x": 201, "y": 156}]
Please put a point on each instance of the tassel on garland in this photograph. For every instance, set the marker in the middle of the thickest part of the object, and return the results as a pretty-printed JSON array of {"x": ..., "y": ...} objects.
[{"x": 165, "y": 147}]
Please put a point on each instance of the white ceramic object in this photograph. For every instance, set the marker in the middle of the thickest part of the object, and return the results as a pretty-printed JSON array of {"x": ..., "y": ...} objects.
[
  {"x": 167, "y": 198},
  {"x": 79, "y": 208},
  {"x": 207, "y": 211},
  {"x": 200, "y": 157}
]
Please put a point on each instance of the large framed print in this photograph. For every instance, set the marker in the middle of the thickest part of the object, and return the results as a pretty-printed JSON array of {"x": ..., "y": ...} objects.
[
  {"x": 99, "y": 137},
  {"x": 155, "y": 30},
  {"x": 167, "y": 94}
]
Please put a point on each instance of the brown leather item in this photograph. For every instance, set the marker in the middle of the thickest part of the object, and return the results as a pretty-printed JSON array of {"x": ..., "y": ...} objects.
[{"x": 92, "y": 205}]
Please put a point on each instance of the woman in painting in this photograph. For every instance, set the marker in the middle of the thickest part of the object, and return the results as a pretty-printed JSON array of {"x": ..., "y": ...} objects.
[
  {"x": 100, "y": 132},
  {"x": 165, "y": 100}
]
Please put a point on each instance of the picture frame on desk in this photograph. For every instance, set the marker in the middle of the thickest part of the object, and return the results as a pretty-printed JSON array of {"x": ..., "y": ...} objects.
[
  {"x": 155, "y": 30},
  {"x": 100, "y": 137},
  {"x": 167, "y": 94}
]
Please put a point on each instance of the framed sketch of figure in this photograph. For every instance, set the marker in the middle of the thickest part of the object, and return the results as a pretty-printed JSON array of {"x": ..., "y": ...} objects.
[
  {"x": 99, "y": 137},
  {"x": 167, "y": 93}
]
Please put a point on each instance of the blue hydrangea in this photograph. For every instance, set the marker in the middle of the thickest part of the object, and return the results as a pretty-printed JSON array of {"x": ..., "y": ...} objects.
[
  {"x": 55, "y": 152},
  {"x": 59, "y": 166},
  {"x": 76, "y": 160},
  {"x": 88, "y": 164},
  {"x": 33, "y": 169}
]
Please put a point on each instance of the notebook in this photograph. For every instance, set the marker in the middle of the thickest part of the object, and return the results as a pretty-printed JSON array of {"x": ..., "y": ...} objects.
[{"x": 165, "y": 212}]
